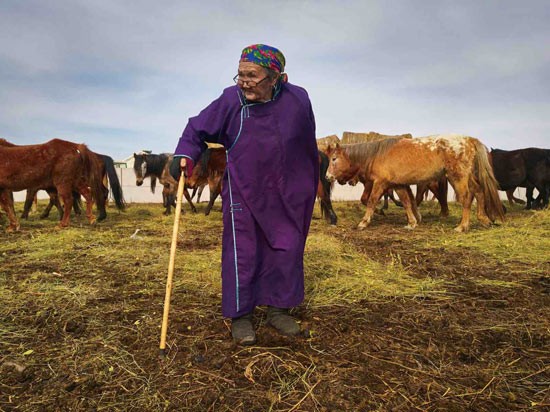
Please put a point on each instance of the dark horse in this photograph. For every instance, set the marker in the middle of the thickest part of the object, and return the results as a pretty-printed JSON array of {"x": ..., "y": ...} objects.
[
  {"x": 109, "y": 179},
  {"x": 529, "y": 168},
  {"x": 157, "y": 166},
  {"x": 60, "y": 164}
]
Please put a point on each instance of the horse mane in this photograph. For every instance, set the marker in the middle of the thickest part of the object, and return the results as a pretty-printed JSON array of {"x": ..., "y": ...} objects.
[{"x": 365, "y": 153}]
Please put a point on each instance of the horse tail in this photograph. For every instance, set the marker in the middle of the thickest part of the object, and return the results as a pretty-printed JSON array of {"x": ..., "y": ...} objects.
[
  {"x": 93, "y": 173},
  {"x": 116, "y": 188},
  {"x": 326, "y": 205},
  {"x": 203, "y": 161},
  {"x": 488, "y": 182}
]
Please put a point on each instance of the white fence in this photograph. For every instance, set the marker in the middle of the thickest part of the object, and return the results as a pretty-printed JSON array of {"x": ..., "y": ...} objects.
[{"x": 142, "y": 194}]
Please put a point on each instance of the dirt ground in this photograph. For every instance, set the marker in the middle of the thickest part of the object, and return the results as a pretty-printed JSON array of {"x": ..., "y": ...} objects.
[{"x": 81, "y": 312}]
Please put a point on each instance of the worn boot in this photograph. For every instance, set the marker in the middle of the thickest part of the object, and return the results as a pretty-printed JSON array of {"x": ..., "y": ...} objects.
[
  {"x": 282, "y": 321},
  {"x": 242, "y": 330}
]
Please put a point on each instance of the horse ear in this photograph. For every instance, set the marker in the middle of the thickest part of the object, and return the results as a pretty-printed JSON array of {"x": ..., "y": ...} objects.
[
  {"x": 337, "y": 145},
  {"x": 134, "y": 155}
]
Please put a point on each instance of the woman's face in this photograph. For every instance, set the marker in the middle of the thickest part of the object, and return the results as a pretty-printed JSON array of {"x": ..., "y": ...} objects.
[{"x": 263, "y": 90}]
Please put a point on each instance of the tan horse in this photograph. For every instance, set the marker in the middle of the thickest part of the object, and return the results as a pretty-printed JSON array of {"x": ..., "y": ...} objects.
[
  {"x": 405, "y": 193},
  {"x": 399, "y": 162}
]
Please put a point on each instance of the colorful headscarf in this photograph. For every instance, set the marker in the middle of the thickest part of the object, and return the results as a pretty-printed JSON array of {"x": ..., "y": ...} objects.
[{"x": 265, "y": 56}]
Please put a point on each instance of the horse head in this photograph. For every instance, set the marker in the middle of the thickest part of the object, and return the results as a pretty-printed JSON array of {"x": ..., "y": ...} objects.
[
  {"x": 140, "y": 167},
  {"x": 340, "y": 167}
]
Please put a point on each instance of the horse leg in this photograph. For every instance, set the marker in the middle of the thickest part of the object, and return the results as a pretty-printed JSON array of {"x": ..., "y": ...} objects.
[
  {"x": 366, "y": 192},
  {"x": 52, "y": 201},
  {"x": 29, "y": 199},
  {"x": 188, "y": 198},
  {"x": 66, "y": 196},
  {"x": 482, "y": 217},
  {"x": 512, "y": 199},
  {"x": 375, "y": 194},
  {"x": 100, "y": 204},
  {"x": 6, "y": 201},
  {"x": 393, "y": 199},
  {"x": 409, "y": 203},
  {"x": 325, "y": 203},
  {"x": 465, "y": 197},
  {"x": 440, "y": 191},
  {"x": 167, "y": 200},
  {"x": 86, "y": 193},
  {"x": 213, "y": 196},
  {"x": 365, "y": 196},
  {"x": 386, "y": 203},
  {"x": 199, "y": 194},
  {"x": 420, "y": 192},
  {"x": 529, "y": 195},
  {"x": 76, "y": 205}
]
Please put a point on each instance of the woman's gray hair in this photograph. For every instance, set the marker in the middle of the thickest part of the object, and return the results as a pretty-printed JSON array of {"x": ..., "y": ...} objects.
[{"x": 272, "y": 74}]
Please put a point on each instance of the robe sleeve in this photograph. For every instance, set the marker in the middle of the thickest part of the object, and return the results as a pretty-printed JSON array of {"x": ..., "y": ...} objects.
[{"x": 207, "y": 126}]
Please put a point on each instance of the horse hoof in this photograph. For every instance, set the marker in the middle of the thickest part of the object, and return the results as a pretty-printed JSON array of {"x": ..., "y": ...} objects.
[
  {"x": 410, "y": 227},
  {"x": 460, "y": 229},
  {"x": 11, "y": 229},
  {"x": 361, "y": 226}
]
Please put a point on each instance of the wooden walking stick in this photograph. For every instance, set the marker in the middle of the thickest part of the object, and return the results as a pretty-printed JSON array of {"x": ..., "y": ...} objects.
[{"x": 164, "y": 328}]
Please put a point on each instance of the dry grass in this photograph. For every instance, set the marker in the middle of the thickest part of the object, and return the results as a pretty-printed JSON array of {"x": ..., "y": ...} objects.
[{"x": 424, "y": 320}]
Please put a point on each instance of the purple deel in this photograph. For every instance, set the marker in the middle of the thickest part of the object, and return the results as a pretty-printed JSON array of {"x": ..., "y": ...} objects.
[{"x": 268, "y": 193}]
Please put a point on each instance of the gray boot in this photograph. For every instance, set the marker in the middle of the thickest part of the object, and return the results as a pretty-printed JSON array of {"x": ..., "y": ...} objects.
[
  {"x": 242, "y": 330},
  {"x": 282, "y": 321}
]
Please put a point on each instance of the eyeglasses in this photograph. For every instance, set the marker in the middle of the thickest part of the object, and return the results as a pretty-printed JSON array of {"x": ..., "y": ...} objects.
[{"x": 250, "y": 83}]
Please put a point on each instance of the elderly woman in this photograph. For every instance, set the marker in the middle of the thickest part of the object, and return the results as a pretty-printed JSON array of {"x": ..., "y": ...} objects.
[{"x": 267, "y": 127}]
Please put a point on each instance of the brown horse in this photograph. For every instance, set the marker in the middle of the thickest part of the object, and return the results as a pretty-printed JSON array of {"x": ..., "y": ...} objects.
[
  {"x": 209, "y": 170},
  {"x": 106, "y": 167},
  {"x": 400, "y": 162},
  {"x": 62, "y": 165}
]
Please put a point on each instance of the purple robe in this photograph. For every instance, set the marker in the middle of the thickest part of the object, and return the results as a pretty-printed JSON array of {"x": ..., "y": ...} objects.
[{"x": 268, "y": 193}]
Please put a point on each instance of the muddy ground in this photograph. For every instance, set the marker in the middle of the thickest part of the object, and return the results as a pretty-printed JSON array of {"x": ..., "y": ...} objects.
[{"x": 81, "y": 310}]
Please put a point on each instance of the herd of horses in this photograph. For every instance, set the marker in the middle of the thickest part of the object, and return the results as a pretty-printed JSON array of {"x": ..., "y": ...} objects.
[{"x": 68, "y": 170}]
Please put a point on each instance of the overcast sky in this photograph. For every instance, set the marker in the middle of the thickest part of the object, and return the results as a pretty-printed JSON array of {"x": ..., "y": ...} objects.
[{"x": 122, "y": 76}]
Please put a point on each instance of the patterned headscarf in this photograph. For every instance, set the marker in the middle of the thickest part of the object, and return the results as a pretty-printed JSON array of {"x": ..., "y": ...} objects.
[{"x": 265, "y": 56}]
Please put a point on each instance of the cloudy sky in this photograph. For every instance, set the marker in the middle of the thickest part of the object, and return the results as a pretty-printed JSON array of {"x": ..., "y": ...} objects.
[{"x": 126, "y": 75}]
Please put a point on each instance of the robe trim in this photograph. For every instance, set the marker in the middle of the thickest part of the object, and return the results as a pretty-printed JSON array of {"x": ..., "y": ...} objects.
[{"x": 232, "y": 210}]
